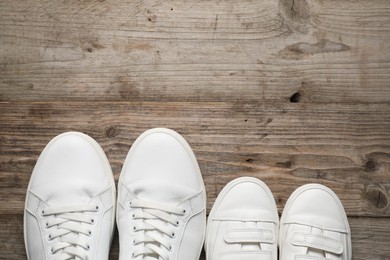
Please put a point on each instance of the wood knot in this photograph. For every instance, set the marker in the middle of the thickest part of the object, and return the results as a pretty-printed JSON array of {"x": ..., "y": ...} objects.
[
  {"x": 295, "y": 98},
  {"x": 112, "y": 131},
  {"x": 296, "y": 13},
  {"x": 249, "y": 160},
  {"x": 376, "y": 197},
  {"x": 152, "y": 18},
  {"x": 370, "y": 166}
]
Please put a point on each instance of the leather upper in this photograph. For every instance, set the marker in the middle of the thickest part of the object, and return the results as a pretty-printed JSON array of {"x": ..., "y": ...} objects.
[
  {"x": 243, "y": 223},
  {"x": 314, "y": 226},
  {"x": 71, "y": 171},
  {"x": 161, "y": 168}
]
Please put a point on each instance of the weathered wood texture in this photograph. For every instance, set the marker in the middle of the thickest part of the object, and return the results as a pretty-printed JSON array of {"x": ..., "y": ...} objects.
[{"x": 289, "y": 91}]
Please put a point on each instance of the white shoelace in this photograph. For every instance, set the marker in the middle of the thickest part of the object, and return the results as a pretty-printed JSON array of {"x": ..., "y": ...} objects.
[
  {"x": 68, "y": 225},
  {"x": 155, "y": 228}
]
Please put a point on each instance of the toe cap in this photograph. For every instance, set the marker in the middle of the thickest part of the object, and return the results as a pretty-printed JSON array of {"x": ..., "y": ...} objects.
[
  {"x": 72, "y": 169},
  {"x": 316, "y": 205},
  {"x": 247, "y": 198},
  {"x": 161, "y": 167}
]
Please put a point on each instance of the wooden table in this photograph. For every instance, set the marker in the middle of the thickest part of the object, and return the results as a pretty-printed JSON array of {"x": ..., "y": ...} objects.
[{"x": 288, "y": 91}]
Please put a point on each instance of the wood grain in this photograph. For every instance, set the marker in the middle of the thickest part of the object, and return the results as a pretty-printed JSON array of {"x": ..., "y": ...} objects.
[
  {"x": 203, "y": 51},
  {"x": 289, "y": 91},
  {"x": 343, "y": 146}
]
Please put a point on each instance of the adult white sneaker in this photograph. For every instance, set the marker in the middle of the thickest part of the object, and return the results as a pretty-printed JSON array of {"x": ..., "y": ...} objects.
[
  {"x": 243, "y": 223},
  {"x": 70, "y": 202},
  {"x": 161, "y": 211},
  {"x": 314, "y": 226}
]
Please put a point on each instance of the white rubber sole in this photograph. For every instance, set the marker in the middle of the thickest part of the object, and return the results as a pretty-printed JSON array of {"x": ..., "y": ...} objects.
[
  {"x": 188, "y": 149},
  {"x": 225, "y": 191},
  {"x": 108, "y": 172}
]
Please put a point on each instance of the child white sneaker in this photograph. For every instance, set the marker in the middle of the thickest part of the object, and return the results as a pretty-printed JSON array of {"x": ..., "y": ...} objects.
[
  {"x": 243, "y": 223},
  {"x": 70, "y": 202},
  {"x": 314, "y": 226},
  {"x": 161, "y": 211}
]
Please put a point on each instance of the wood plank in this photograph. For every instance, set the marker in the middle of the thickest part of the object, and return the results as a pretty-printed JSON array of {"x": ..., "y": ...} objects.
[
  {"x": 370, "y": 238},
  {"x": 289, "y": 91},
  {"x": 344, "y": 146},
  {"x": 197, "y": 51}
]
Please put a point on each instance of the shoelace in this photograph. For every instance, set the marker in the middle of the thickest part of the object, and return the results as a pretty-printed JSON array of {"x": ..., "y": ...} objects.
[
  {"x": 69, "y": 230},
  {"x": 155, "y": 219}
]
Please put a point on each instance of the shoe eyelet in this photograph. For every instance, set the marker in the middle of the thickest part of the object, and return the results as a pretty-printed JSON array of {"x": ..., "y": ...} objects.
[
  {"x": 49, "y": 237},
  {"x": 92, "y": 221},
  {"x": 134, "y": 228},
  {"x": 133, "y": 242},
  {"x": 89, "y": 233},
  {"x": 97, "y": 208},
  {"x": 46, "y": 225},
  {"x": 51, "y": 251},
  {"x": 133, "y": 216},
  {"x": 184, "y": 211},
  {"x": 170, "y": 248},
  {"x": 42, "y": 212},
  {"x": 177, "y": 223},
  {"x": 88, "y": 247},
  {"x": 173, "y": 234}
]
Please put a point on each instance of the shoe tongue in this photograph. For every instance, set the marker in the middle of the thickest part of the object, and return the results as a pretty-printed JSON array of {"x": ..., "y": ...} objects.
[
  {"x": 313, "y": 251},
  {"x": 77, "y": 193},
  {"x": 74, "y": 189},
  {"x": 160, "y": 191},
  {"x": 150, "y": 258},
  {"x": 246, "y": 255}
]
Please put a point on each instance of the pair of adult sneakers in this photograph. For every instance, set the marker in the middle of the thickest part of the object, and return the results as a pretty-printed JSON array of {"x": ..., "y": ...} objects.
[{"x": 161, "y": 208}]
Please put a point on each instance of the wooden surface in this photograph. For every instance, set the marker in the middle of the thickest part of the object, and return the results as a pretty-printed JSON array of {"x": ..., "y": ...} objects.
[{"x": 289, "y": 91}]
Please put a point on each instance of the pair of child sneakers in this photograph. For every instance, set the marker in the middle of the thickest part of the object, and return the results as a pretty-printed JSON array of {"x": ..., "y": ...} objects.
[
  {"x": 244, "y": 224},
  {"x": 160, "y": 207}
]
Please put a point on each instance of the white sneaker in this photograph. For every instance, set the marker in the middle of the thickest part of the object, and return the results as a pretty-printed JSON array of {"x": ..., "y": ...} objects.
[
  {"x": 70, "y": 202},
  {"x": 314, "y": 226},
  {"x": 243, "y": 223},
  {"x": 161, "y": 212}
]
